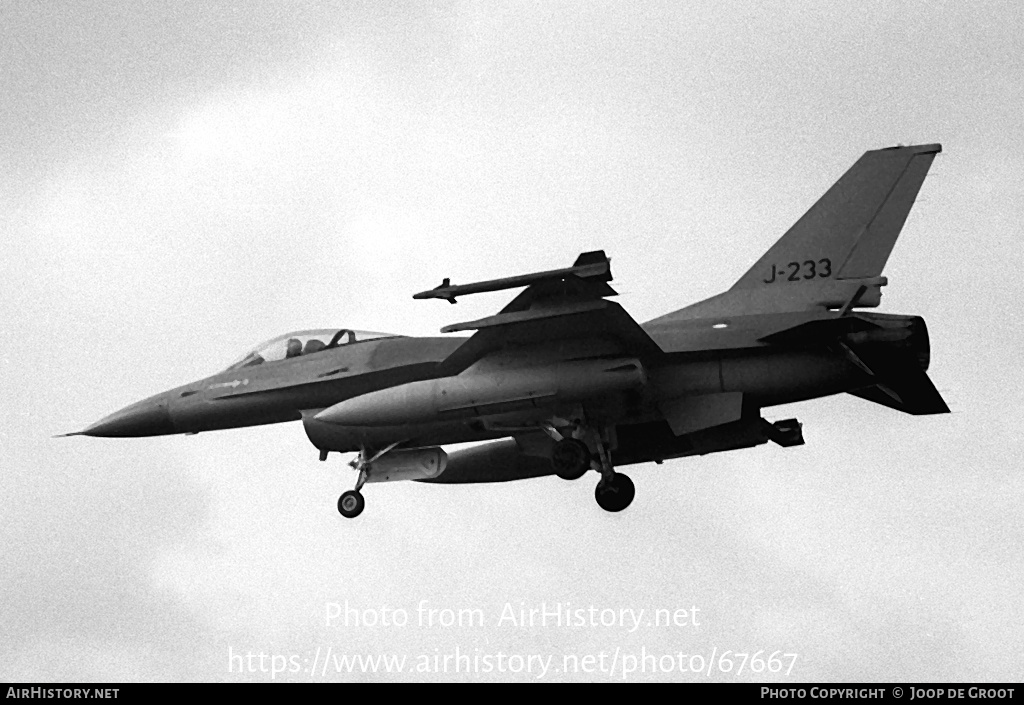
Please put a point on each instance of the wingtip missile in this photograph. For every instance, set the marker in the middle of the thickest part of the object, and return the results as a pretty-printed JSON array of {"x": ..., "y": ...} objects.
[
  {"x": 589, "y": 267},
  {"x": 438, "y": 292}
]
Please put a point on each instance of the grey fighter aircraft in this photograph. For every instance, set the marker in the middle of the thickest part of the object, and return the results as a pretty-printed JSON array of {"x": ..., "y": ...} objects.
[{"x": 562, "y": 380}]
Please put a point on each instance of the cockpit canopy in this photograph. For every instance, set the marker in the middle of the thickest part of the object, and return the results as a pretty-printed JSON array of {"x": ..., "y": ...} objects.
[{"x": 303, "y": 342}]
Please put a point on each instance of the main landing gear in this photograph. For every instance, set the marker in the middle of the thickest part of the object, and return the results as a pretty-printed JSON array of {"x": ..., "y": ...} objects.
[
  {"x": 615, "y": 494},
  {"x": 572, "y": 457},
  {"x": 351, "y": 503}
]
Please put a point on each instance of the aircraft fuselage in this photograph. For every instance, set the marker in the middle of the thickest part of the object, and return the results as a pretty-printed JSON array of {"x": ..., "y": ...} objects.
[
  {"x": 389, "y": 391},
  {"x": 573, "y": 383}
]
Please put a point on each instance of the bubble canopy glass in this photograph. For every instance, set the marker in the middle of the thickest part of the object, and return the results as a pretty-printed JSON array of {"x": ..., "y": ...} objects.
[{"x": 303, "y": 342}]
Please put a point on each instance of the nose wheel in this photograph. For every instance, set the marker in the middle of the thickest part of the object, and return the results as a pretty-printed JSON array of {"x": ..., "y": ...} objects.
[{"x": 351, "y": 504}]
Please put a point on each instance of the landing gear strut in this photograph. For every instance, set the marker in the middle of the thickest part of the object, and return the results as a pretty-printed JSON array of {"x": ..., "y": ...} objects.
[
  {"x": 351, "y": 503},
  {"x": 615, "y": 491}
]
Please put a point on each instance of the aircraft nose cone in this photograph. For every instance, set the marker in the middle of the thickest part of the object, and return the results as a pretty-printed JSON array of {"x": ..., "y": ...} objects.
[{"x": 145, "y": 418}]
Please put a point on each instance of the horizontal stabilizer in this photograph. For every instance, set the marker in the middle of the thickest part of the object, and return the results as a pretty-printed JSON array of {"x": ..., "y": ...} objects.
[{"x": 912, "y": 392}]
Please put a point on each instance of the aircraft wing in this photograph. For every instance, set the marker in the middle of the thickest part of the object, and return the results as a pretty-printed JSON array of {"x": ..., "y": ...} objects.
[{"x": 557, "y": 306}]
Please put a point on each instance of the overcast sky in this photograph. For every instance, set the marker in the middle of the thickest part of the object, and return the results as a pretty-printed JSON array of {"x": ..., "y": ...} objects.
[{"x": 179, "y": 181}]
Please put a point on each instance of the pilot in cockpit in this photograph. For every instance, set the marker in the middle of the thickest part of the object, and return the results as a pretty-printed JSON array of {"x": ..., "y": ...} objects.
[
  {"x": 313, "y": 345},
  {"x": 301, "y": 343}
]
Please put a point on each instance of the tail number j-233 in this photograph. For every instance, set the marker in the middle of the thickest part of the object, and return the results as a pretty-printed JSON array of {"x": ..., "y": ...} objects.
[{"x": 796, "y": 271}]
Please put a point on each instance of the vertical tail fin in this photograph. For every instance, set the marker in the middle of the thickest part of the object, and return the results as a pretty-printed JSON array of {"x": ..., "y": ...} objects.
[
  {"x": 833, "y": 256},
  {"x": 855, "y": 224}
]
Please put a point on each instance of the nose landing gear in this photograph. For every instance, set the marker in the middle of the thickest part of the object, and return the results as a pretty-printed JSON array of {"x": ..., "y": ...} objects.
[{"x": 351, "y": 503}]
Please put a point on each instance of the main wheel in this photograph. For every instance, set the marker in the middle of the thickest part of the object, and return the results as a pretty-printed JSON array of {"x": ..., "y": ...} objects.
[
  {"x": 351, "y": 504},
  {"x": 570, "y": 458},
  {"x": 615, "y": 495}
]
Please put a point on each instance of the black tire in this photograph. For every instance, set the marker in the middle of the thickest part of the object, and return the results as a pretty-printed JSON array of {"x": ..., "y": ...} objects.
[
  {"x": 617, "y": 494},
  {"x": 351, "y": 504},
  {"x": 570, "y": 459}
]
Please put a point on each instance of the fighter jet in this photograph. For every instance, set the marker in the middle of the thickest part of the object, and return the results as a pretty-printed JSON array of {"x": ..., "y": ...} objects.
[{"x": 562, "y": 380}]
